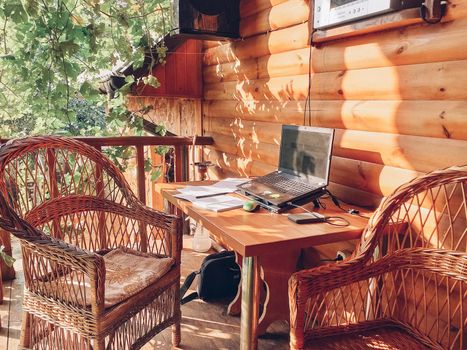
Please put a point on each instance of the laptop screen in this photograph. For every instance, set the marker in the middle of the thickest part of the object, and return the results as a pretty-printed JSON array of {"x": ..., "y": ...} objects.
[{"x": 306, "y": 152}]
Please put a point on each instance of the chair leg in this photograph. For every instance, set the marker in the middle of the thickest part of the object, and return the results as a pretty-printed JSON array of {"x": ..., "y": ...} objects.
[
  {"x": 176, "y": 334},
  {"x": 25, "y": 340}
]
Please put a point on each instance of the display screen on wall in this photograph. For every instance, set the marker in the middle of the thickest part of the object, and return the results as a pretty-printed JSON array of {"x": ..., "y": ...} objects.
[
  {"x": 330, "y": 13},
  {"x": 335, "y": 3}
]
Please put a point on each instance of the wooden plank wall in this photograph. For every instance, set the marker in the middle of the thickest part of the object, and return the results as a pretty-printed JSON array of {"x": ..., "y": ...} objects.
[
  {"x": 398, "y": 99},
  {"x": 180, "y": 76},
  {"x": 180, "y": 116}
]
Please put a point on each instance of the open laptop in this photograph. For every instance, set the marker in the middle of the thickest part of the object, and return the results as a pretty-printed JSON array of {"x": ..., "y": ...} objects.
[{"x": 304, "y": 163}]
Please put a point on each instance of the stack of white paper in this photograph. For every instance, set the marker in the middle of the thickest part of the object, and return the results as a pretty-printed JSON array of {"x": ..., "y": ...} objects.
[
  {"x": 213, "y": 197},
  {"x": 229, "y": 185},
  {"x": 219, "y": 203}
]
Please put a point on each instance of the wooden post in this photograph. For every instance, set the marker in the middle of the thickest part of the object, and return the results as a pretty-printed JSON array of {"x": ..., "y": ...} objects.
[
  {"x": 181, "y": 174},
  {"x": 141, "y": 183},
  {"x": 100, "y": 194},
  {"x": 181, "y": 163},
  {"x": 178, "y": 163},
  {"x": 140, "y": 175}
]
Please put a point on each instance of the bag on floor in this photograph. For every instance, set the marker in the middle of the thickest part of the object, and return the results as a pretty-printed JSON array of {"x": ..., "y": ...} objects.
[{"x": 219, "y": 277}]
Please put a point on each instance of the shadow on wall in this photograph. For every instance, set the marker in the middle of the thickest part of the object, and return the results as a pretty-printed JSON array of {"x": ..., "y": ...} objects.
[
  {"x": 396, "y": 109},
  {"x": 397, "y": 99}
]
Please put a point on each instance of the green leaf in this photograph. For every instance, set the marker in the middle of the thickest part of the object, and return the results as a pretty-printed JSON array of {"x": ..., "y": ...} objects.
[
  {"x": 162, "y": 150},
  {"x": 160, "y": 130},
  {"x": 147, "y": 165},
  {"x": 9, "y": 260},
  {"x": 55, "y": 54},
  {"x": 130, "y": 79},
  {"x": 72, "y": 69},
  {"x": 151, "y": 80},
  {"x": 69, "y": 46},
  {"x": 156, "y": 174},
  {"x": 87, "y": 90},
  {"x": 7, "y": 58}
]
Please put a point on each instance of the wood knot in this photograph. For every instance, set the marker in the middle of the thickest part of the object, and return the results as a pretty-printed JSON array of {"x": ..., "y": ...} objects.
[
  {"x": 361, "y": 171},
  {"x": 446, "y": 132},
  {"x": 401, "y": 49},
  {"x": 442, "y": 89},
  {"x": 340, "y": 92}
]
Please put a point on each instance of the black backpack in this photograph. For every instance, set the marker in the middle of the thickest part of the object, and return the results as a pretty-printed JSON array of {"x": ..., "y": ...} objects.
[{"x": 219, "y": 278}]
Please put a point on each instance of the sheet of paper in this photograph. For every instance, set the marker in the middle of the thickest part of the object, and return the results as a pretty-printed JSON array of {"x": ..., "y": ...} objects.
[
  {"x": 186, "y": 197},
  {"x": 228, "y": 185},
  {"x": 219, "y": 203}
]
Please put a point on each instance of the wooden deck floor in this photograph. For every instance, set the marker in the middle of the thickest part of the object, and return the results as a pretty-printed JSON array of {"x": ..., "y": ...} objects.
[{"x": 204, "y": 326}]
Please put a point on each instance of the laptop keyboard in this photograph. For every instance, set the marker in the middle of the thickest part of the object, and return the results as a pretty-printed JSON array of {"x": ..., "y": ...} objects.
[{"x": 284, "y": 184}]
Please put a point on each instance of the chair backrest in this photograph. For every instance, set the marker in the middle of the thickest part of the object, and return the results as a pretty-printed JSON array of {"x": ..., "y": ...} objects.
[
  {"x": 428, "y": 212},
  {"x": 37, "y": 170},
  {"x": 424, "y": 225}
]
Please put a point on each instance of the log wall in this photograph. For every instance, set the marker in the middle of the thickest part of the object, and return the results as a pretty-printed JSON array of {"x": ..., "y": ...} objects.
[{"x": 397, "y": 98}]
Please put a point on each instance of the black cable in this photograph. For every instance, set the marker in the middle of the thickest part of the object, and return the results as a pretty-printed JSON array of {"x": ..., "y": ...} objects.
[
  {"x": 308, "y": 97},
  {"x": 331, "y": 220},
  {"x": 351, "y": 211},
  {"x": 334, "y": 220}
]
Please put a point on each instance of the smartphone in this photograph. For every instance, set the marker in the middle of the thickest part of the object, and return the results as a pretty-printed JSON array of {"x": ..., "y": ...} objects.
[{"x": 307, "y": 218}]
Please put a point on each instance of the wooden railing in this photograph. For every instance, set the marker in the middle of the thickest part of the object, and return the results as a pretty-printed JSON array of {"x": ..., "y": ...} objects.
[{"x": 180, "y": 144}]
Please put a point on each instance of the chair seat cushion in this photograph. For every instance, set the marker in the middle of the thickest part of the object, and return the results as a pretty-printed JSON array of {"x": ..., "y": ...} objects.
[
  {"x": 387, "y": 338},
  {"x": 127, "y": 273}
]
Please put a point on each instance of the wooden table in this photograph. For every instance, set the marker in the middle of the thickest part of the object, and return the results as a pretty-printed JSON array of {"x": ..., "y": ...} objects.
[{"x": 268, "y": 247}]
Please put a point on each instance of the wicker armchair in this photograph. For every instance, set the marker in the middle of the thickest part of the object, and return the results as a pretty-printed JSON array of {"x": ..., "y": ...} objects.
[
  {"x": 101, "y": 270},
  {"x": 405, "y": 287}
]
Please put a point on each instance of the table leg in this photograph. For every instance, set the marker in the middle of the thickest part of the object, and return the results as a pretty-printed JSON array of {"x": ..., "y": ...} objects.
[
  {"x": 274, "y": 273},
  {"x": 235, "y": 305},
  {"x": 250, "y": 304}
]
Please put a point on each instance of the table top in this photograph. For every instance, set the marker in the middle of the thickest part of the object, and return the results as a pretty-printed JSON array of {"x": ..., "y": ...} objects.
[{"x": 262, "y": 232}]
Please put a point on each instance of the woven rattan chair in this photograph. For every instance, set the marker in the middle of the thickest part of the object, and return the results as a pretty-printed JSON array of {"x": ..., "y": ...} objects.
[
  {"x": 101, "y": 270},
  {"x": 405, "y": 287}
]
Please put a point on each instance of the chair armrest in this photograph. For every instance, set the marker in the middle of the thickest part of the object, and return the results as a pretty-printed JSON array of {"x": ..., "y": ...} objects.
[
  {"x": 330, "y": 276},
  {"x": 63, "y": 209},
  {"x": 63, "y": 272}
]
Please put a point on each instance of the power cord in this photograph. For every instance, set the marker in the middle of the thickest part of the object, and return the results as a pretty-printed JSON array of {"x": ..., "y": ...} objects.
[
  {"x": 351, "y": 211},
  {"x": 331, "y": 220},
  {"x": 307, "y": 109}
]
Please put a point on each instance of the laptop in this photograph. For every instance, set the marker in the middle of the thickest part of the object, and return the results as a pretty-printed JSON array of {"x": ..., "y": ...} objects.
[{"x": 303, "y": 171}]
